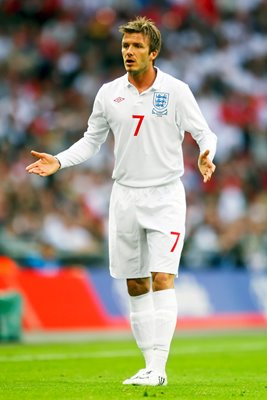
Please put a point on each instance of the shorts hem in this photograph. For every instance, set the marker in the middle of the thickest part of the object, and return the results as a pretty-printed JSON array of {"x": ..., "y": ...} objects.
[{"x": 138, "y": 276}]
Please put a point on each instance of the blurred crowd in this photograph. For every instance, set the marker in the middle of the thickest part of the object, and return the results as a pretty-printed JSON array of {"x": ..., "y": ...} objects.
[{"x": 54, "y": 56}]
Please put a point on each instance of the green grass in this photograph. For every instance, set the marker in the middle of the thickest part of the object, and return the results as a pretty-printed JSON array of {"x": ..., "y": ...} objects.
[{"x": 221, "y": 367}]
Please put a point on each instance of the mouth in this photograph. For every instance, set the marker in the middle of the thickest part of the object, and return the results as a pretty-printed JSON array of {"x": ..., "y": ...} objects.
[{"x": 129, "y": 62}]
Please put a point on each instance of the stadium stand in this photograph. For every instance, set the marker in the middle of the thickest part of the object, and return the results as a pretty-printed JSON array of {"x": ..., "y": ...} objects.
[{"x": 53, "y": 58}]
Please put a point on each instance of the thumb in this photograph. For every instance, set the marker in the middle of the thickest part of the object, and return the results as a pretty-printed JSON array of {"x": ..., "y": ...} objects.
[
  {"x": 206, "y": 153},
  {"x": 37, "y": 154}
]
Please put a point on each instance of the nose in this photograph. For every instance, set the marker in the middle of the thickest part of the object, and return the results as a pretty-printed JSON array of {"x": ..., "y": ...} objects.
[{"x": 129, "y": 50}]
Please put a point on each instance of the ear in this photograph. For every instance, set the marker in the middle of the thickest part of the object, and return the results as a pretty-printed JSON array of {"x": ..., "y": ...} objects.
[{"x": 153, "y": 55}]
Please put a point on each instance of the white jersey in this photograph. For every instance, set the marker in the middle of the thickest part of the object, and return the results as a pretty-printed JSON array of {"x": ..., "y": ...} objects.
[{"x": 148, "y": 130}]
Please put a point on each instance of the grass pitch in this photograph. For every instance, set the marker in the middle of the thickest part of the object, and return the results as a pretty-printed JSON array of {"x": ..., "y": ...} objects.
[{"x": 219, "y": 366}]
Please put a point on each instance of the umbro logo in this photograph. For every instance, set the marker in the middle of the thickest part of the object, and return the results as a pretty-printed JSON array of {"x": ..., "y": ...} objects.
[
  {"x": 161, "y": 380},
  {"x": 119, "y": 99}
]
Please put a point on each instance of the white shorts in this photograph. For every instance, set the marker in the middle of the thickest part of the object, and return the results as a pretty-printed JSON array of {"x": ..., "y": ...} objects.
[{"x": 146, "y": 230}]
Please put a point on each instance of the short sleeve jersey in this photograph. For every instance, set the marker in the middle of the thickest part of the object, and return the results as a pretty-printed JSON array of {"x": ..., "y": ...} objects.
[{"x": 148, "y": 130}]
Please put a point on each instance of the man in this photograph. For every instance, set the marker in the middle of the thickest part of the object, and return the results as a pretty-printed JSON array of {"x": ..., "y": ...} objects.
[{"x": 148, "y": 112}]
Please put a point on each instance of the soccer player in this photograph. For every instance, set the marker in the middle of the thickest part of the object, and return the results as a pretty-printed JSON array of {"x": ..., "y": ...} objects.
[{"x": 148, "y": 112}]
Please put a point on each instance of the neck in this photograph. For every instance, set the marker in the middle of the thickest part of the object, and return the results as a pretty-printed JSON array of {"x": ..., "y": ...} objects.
[{"x": 143, "y": 80}]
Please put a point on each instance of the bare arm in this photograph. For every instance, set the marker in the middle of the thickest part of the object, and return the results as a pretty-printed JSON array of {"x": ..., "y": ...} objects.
[
  {"x": 44, "y": 166},
  {"x": 206, "y": 166}
]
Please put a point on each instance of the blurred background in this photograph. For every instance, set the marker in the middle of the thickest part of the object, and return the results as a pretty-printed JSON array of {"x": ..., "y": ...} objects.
[{"x": 54, "y": 56}]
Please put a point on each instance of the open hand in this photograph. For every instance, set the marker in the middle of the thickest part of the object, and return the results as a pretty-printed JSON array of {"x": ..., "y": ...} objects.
[
  {"x": 206, "y": 166},
  {"x": 46, "y": 165}
]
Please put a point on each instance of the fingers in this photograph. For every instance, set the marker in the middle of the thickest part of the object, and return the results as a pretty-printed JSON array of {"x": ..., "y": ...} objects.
[
  {"x": 37, "y": 170},
  {"x": 207, "y": 177},
  {"x": 34, "y": 168},
  {"x": 207, "y": 174}
]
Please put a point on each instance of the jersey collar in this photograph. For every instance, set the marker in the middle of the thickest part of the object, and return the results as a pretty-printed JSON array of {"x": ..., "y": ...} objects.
[{"x": 156, "y": 84}]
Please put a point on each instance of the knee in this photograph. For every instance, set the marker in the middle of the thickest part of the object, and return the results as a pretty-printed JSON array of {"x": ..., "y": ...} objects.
[
  {"x": 162, "y": 281},
  {"x": 137, "y": 287}
]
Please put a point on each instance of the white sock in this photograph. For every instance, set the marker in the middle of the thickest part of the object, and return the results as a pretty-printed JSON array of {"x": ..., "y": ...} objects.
[
  {"x": 165, "y": 304},
  {"x": 142, "y": 323}
]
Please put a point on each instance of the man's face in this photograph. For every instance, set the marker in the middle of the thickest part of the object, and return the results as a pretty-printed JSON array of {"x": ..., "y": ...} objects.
[{"x": 135, "y": 52}]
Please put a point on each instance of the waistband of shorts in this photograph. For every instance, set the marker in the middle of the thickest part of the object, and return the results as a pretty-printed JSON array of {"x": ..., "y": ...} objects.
[{"x": 171, "y": 183}]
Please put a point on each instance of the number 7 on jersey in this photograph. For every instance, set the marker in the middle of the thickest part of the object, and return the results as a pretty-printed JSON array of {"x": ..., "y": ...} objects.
[{"x": 140, "y": 118}]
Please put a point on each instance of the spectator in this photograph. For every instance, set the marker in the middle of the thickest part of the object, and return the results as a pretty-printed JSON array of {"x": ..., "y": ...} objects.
[{"x": 53, "y": 58}]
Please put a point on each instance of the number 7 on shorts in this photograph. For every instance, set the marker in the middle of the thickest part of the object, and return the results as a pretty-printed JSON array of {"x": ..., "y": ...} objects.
[{"x": 177, "y": 234}]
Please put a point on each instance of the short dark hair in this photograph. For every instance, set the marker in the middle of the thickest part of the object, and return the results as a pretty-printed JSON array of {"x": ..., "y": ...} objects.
[{"x": 147, "y": 28}]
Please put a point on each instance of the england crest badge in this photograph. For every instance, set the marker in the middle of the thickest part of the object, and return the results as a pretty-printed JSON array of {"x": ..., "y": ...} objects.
[{"x": 160, "y": 103}]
